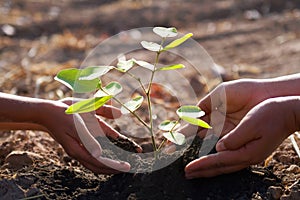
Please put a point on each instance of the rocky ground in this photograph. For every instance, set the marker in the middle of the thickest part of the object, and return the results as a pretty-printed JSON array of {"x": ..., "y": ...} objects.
[{"x": 256, "y": 39}]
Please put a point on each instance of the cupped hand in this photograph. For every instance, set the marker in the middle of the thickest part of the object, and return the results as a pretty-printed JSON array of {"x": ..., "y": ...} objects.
[
  {"x": 225, "y": 107},
  {"x": 76, "y": 133},
  {"x": 257, "y": 135},
  {"x": 228, "y": 103}
]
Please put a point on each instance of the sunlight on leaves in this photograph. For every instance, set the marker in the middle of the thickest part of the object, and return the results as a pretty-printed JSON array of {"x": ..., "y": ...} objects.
[
  {"x": 87, "y": 105},
  {"x": 70, "y": 78},
  {"x": 165, "y": 32},
  {"x": 132, "y": 105},
  {"x": 175, "y": 137},
  {"x": 190, "y": 111},
  {"x": 93, "y": 72},
  {"x": 145, "y": 64},
  {"x": 125, "y": 65},
  {"x": 172, "y": 67},
  {"x": 113, "y": 88},
  {"x": 168, "y": 125},
  {"x": 197, "y": 122},
  {"x": 177, "y": 42},
  {"x": 151, "y": 46}
]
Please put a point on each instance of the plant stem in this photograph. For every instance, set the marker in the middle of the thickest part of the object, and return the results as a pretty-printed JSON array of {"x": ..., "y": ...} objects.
[
  {"x": 161, "y": 144},
  {"x": 138, "y": 80},
  {"x": 151, "y": 122},
  {"x": 148, "y": 94},
  {"x": 177, "y": 122},
  {"x": 133, "y": 113},
  {"x": 172, "y": 129}
]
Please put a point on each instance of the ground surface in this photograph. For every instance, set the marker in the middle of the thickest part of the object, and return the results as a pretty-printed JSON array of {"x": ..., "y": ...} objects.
[{"x": 257, "y": 39}]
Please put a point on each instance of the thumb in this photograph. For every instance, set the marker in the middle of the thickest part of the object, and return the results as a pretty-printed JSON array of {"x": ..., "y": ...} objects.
[{"x": 241, "y": 135}]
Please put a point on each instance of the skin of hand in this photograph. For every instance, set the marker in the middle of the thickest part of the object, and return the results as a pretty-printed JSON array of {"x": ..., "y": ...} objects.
[
  {"x": 257, "y": 135},
  {"x": 49, "y": 116},
  {"x": 240, "y": 97},
  {"x": 235, "y": 98}
]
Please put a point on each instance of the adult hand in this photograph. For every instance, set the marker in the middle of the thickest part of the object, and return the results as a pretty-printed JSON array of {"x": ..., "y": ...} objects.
[
  {"x": 257, "y": 135},
  {"x": 231, "y": 101},
  {"x": 225, "y": 106},
  {"x": 72, "y": 131}
]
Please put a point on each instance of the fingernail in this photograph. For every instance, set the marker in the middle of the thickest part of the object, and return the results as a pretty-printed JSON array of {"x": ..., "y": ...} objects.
[
  {"x": 220, "y": 146},
  {"x": 124, "y": 166},
  {"x": 189, "y": 176},
  {"x": 189, "y": 168},
  {"x": 97, "y": 152}
]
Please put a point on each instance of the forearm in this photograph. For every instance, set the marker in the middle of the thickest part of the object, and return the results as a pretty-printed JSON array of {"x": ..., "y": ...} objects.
[
  {"x": 297, "y": 114},
  {"x": 290, "y": 107},
  {"x": 20, "y": 113},
  {"x": 283, "y": 86}
]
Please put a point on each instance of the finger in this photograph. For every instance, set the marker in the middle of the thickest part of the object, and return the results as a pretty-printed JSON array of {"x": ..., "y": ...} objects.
[
  {"x": 215, "y": 99},
  {"x": 80, "y": 153},
  {"x": 214, "y": 172},
  {"x": 70, "y": 100},
  {"x": 99, "y": 169},
  {"x": 107, "y": 129},
  {"x": 111, "y": 132},
  {"x": 109, "y": 112},
  {"x": 215, "y": 164},
  {"x": 216, "y": 121},
  {"x": 244, "y": 133},
  {"x": 205, "y": 104},
  {"x": 90, "y": 143},
  {"x": 87, "y": 160},
  {"x": 114, "y": 164}
]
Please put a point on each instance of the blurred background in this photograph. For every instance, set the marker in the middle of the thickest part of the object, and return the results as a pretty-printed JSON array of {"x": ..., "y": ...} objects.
[
  {"x": 257, "y": 38},
  {"x": 245, "y": 38}
]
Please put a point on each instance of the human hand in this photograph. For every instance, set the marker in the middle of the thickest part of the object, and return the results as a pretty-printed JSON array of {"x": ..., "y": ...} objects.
[
  {"x": 72, "y": 131},
  {"x": 258, "y": 134},
  {"x": 230, "y": 102},
  {"x": 225, "y": 106}
]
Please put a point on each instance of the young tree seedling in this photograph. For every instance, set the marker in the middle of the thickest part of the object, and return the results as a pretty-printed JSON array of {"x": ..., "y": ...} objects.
[{"x": 88, "y": 80}]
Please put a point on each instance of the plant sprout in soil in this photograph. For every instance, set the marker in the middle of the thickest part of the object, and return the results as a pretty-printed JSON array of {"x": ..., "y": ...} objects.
[{"x": 89, "y": 80}]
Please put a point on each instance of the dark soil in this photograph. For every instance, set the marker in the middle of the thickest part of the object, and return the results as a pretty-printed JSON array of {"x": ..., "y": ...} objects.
[{"x": 248, "y": 39}]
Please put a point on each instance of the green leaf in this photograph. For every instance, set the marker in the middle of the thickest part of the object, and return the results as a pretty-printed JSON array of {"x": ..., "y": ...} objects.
[
  {"x": 172, "y": 67},
  {"x": 190, "y": 111},
  {"x": 197, "y": 122},
  {"x": 70, "y": 78},
  {"x": 87, "y": 105},
  {"x": 145, "y": 64},
  {"x": 177, "y": 42},
  {"x": 175, "y": 137},
  {"x": 165, "y": 32},
  {"x": 125, "y": 65},
  {"x": 113, "y": 88},
  {"x": 151, "y": 46},
  {"x": 93, "y": 72},
  {"x": 168, "y": 125},
  {"x": 132, "y": 105}
]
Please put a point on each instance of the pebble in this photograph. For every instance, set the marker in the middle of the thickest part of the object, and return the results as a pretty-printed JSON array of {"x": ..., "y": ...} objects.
[
  {"x": 293, "y": 169},
  {"x": 275, "y": 192},
  {"x": 285, "y": 159},
  {"x": 294, "y": 195},
  {"x": 18, "y": 159}
]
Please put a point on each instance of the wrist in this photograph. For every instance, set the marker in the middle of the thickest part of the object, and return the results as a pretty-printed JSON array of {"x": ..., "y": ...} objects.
[
  {"x": 282, "y": 86},
  {"x": 291, "y": 106},
  {"x": 21, "y": 113},
  {"x": 47, "y": 111}
]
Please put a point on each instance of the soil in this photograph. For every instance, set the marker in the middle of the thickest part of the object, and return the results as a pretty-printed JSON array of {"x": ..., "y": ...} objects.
[{"x": 248, "y": 39}]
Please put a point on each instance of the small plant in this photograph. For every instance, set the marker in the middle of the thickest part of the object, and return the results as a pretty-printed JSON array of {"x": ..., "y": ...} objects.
[{"x": 88, "y": 80}]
